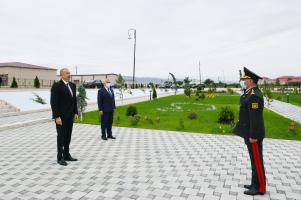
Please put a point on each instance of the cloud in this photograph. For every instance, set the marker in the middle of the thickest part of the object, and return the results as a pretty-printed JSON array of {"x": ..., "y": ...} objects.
[{"x": 172, "y": 36}]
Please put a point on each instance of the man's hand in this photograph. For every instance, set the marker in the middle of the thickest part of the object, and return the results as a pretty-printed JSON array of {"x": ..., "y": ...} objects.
[
  {"x": 75, "y": 117},
  {"x": 58, "y": 121},
  {"x": 252, "y": 140},
  {"x": 100, "y": 113}
]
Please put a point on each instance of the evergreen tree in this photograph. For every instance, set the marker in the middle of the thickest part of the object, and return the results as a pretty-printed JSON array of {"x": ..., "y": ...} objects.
[
  {"x": 81, "y": 100},
  {"x": 36, "y": 82},
  {"x": 14, "y": 83},
  {"x": 154, "y": 93},
  {"x": 121, "y": 85}
]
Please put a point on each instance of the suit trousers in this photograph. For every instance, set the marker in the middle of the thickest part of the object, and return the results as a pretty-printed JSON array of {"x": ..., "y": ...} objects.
[
  {"x": 106, "y": 124},
  {"x": 64, "y": 133},
  {"x": 258, "y": 180}
]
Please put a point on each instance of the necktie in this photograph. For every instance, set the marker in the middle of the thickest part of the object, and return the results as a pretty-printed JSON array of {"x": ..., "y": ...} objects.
[
  {"x": 109, "y": 91},
  {"x": 69, "y": 89}
]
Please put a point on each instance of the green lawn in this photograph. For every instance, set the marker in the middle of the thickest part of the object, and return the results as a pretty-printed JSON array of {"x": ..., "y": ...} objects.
[
  {"x": 173, "y": 108},
  {"x": 293, "y": 98}
]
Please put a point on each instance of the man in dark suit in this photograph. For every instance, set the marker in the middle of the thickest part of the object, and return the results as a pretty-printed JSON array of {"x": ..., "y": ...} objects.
[
  {"x": 64, "y": 112},
  {"x": 106, "y": 107},
  {"x": 251, "y": 127}
]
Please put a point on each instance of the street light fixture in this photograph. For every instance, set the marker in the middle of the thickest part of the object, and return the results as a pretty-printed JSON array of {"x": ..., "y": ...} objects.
[{"x": 132, "y": 35}]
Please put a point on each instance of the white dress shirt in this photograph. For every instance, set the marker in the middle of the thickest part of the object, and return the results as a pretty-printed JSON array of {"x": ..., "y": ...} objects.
[
  {"x": 109, "y": 91},
  {"x": 68, "y": 85}
]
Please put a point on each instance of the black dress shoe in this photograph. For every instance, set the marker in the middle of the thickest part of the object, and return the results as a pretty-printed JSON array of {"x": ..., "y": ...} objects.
[
  {"x": 62, "y": 162},
  {"x": 69, "y": 158},
  {"x": 248, "y": 186},
  {"x": 111, "y": 137},
  {"x": 253, "y": 192},
  {"x": 104, "y": 138}
]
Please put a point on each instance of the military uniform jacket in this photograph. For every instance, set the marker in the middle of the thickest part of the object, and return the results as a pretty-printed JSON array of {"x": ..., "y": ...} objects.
[{"x": 251, "y": 123}]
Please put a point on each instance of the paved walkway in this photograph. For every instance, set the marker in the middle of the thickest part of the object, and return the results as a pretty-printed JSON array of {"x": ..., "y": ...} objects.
[
  {"x": 141, "y": 164},
  {"x": 286, "y": 109}
]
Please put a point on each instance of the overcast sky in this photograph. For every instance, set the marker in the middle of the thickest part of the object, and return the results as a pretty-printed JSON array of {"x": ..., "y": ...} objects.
[{"x": 172, "y": 36}]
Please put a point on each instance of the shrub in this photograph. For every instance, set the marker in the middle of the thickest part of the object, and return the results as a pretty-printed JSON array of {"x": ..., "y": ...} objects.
[
  {"x": 193, "y": 115},
  {"x": 295, "y": 90},
  {"x": 226, "y": 116},
  {"x": 211, "y": 95},
  {"x": 39, "y": 99},
  {"x": 118, "y": 119},
  {"x": 230, "y": 91},
  {"x": 158, "y": 119},
  {"x": 268, "y": 94},
  {"x": 181, "y": 125},
  {"x": 131, "y": 111},
  {"x": 150, "y": 121},
  {"x": 224, "y": 129},
  {"x": 212, "y": 90},
  {"x": 135, "y": 120},
  {"x": 199, "y": 95},
  {"x": 187, "y": 92}
]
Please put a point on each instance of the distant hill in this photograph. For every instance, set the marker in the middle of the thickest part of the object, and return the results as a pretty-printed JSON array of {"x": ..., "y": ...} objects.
[{"x": 145, "y": 80}]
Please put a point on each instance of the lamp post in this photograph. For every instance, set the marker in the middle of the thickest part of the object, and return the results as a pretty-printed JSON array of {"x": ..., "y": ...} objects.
[
  {"x": 150, "y": 95},
  {"x": 132, "y": 32}
]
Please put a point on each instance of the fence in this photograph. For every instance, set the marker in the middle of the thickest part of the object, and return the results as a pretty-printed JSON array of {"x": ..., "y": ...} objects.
[{"x": 28, "y": 83}]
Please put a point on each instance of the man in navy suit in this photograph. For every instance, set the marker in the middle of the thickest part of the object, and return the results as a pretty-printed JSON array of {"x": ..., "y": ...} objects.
[{"x": 106, "y": 107}]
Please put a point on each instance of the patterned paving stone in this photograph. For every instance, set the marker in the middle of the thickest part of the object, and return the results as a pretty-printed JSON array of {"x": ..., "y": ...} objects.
[{"x": 141, "y": 164}]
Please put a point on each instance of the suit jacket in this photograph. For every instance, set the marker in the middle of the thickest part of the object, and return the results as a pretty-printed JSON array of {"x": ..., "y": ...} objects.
[
  {"x": 62, "y": 103},
  {"x": 251, "y": 123},
  {"x": 106, "y": 102}
]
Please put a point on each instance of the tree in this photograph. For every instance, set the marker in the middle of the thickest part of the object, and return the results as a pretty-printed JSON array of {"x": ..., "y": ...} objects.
[
  {"x": 175, "y": 84},
  {"x": 277, "y": 82},
  {"x": 14, "y": 83},
  {"x": 154, "y": 92},
  {"x": 36, "y": 82},
  {"x": 186, "y": 82},
  {"x": 81, "y": 100},
  {"x": 150, "y": 85},
  {"x": 121, "y": 85},
  {"x": 267, "y": 92},
  {"x": 199, "y": 93},
  {"x": 180, "y": 83},
  {"x": 208, "y": 82},
  {"x": 168, "y": 84}
]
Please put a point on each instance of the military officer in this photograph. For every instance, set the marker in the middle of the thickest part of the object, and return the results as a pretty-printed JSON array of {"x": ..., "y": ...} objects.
[{"x": 251, "y": 127}]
